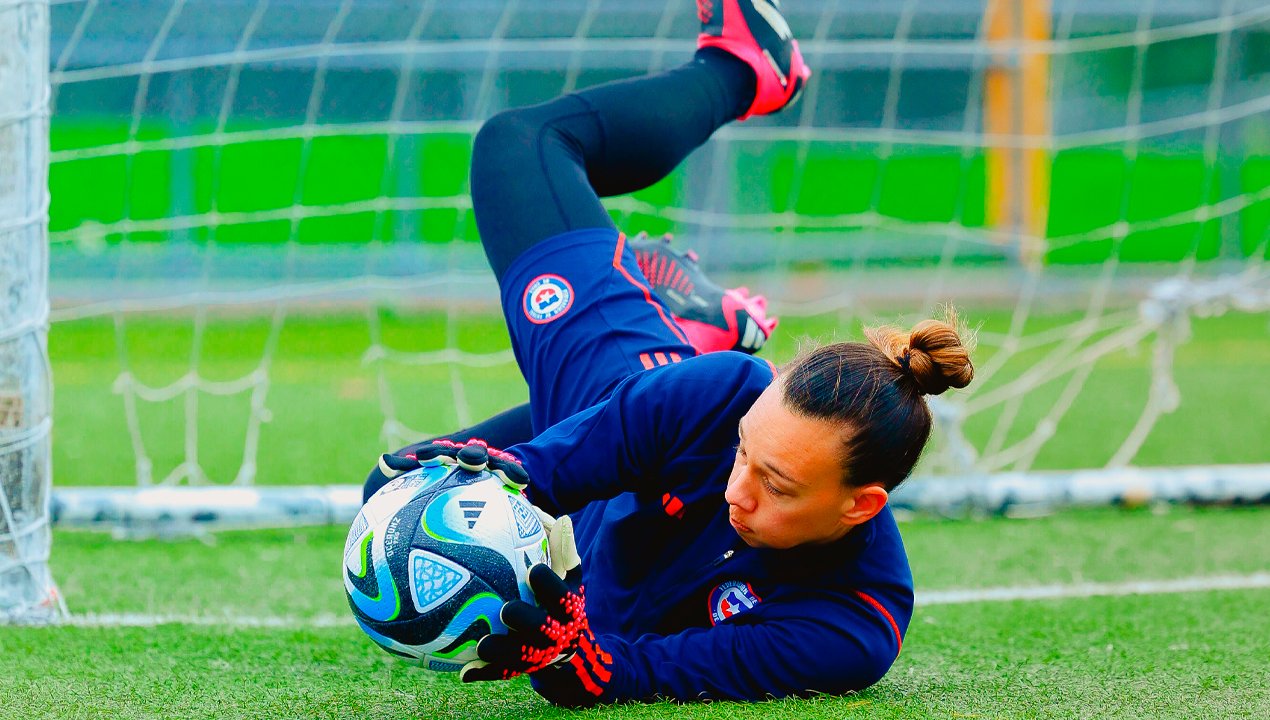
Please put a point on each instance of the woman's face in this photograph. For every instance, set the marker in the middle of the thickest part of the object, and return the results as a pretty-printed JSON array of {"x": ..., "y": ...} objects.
[{"x": 786, "y": 487}]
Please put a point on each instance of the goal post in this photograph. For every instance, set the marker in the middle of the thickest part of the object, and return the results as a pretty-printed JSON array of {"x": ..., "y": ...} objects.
[
  {"x": 27, "y": 592},
  {"x": 1016, "y": 105}
]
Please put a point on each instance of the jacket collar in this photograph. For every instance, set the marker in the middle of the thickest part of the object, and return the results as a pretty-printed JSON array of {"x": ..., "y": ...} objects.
[{"x": 818, "y": 558}]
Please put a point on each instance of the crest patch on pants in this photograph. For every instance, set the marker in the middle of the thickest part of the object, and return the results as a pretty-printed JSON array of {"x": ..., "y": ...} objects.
[{"x": 546, "y": 298}]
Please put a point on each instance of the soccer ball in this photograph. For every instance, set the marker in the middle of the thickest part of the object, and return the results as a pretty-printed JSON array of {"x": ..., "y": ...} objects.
[{"x": 432, "y": 557}]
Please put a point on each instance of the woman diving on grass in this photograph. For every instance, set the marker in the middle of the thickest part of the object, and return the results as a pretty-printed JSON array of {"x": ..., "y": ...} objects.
[{"x": 733, "y": 538}]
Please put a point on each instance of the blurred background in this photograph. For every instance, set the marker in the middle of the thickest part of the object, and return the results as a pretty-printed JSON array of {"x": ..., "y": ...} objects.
[{"x": 262, "y": 246}]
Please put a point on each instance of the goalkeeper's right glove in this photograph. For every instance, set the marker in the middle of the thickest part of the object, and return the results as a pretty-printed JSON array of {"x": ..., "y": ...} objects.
[
  {"x": 552, "y": 641},
  {"x": 500, "y": 655}
]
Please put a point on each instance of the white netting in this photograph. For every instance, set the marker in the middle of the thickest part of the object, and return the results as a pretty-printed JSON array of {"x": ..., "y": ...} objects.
[
  {"x": 27, "y": 592},
  {"x": 287, "y": 162}
]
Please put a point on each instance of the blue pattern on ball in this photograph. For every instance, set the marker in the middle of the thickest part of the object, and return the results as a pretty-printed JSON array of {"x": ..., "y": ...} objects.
[
  {"x": 386, "y": 604},
  {"x": 434, "y": 522},
  {"x": 485, "y": 606},
  {"x": 527, "y": 523},
  {"x": 434, "y": 579}
]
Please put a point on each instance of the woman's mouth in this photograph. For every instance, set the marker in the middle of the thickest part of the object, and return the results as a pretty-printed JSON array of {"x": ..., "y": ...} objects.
[{"x": 739, "y": 526}]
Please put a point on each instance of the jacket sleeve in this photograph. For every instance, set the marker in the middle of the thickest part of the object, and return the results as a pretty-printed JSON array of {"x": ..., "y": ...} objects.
[
  {"x": 621, "y": 443},
  {"x": 793, "y": 649}
]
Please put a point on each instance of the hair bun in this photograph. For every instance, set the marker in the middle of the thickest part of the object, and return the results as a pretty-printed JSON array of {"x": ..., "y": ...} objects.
[
  {"x": 937, "y": 358},
  {"x": 932, "y": 354}
]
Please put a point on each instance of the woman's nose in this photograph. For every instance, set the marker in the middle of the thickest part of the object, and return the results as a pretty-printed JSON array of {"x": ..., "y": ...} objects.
[{"x": 738, "y": 492}]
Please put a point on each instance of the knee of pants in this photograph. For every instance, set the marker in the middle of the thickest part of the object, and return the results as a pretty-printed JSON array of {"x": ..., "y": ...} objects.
[
  {"x": 504, "y": 140},
  {"x": 504, "y": 157}
]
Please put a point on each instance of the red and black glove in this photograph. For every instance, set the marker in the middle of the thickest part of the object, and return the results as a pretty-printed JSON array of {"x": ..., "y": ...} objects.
[
  {"x": 552, "y": 642},
  {"x": 473, "y": 455}
]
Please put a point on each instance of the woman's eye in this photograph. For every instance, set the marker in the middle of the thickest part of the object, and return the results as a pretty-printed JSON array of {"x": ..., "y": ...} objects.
[{"x": 770, "y": 488}]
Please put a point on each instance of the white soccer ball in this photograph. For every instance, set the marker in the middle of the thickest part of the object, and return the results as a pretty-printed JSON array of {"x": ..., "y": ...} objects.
[{"x": 432, "y": 557}]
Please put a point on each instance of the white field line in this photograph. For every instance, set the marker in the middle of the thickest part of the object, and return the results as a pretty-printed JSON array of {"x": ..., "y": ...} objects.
[
  {"x": 280, "y": 622},
  {"x": 935, "y": 597},
  {"x": 1202, "y": 583}
]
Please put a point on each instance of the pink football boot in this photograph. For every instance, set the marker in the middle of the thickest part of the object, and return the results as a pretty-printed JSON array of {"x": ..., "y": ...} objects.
[
  {"x": 714, "y": 319},
  {"x": 756, "y": 32}
]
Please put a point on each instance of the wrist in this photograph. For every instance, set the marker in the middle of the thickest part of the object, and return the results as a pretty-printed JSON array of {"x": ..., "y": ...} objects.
[
  {"x": 580, "y": 682},
  {"x": 603, "y": 659}
]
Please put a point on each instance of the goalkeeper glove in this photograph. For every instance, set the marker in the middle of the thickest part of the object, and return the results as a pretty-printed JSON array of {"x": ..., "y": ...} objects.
[
  {"x": 474, "y": 455},
  {"x": 552, "y": 642},
  {"x": 561, "y": 548}
]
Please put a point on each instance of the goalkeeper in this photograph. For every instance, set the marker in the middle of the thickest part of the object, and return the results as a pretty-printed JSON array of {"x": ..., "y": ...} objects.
[{"x": 733, "y": 539}]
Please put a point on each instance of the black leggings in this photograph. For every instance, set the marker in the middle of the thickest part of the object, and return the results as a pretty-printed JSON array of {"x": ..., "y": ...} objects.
[{"x": 540, "y": 171}]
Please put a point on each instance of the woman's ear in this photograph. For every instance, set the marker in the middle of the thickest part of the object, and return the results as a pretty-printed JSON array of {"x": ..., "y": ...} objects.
[{"x": 865, "y": 503}]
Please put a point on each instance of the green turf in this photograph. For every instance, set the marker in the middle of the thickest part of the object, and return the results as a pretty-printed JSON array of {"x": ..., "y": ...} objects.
[
  {"x": 1090, "y": 189},
  {"x": 255, "y": 572},
  {"x": 1193, "y": 655},
  {"x": 326, "y": 415}
]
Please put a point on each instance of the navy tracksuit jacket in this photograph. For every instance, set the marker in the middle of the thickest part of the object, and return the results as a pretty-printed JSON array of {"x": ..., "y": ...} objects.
[{"x": 687, "y": 610}]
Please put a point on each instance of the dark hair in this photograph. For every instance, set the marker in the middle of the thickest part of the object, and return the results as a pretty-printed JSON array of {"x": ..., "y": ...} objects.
[{"x": 875, "y": 391}]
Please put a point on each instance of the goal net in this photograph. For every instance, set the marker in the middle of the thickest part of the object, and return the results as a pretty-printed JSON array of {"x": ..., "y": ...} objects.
[
  {"x": 266, "y": 271},
  {"x": 27, "y": 593}
]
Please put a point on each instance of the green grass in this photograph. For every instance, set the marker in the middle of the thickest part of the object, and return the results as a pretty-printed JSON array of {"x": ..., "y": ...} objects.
[
  {"x": 326, "y": 414},
  {"x": 1187, "y": 655},
  {"x": 1090, "y": 188},
  {"x": 1198, "y": 654}
]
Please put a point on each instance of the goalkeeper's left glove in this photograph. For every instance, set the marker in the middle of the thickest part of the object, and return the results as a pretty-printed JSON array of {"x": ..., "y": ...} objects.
[
  {"x": 552, "y": 642},
  {"x": 473, "y": 455}
]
